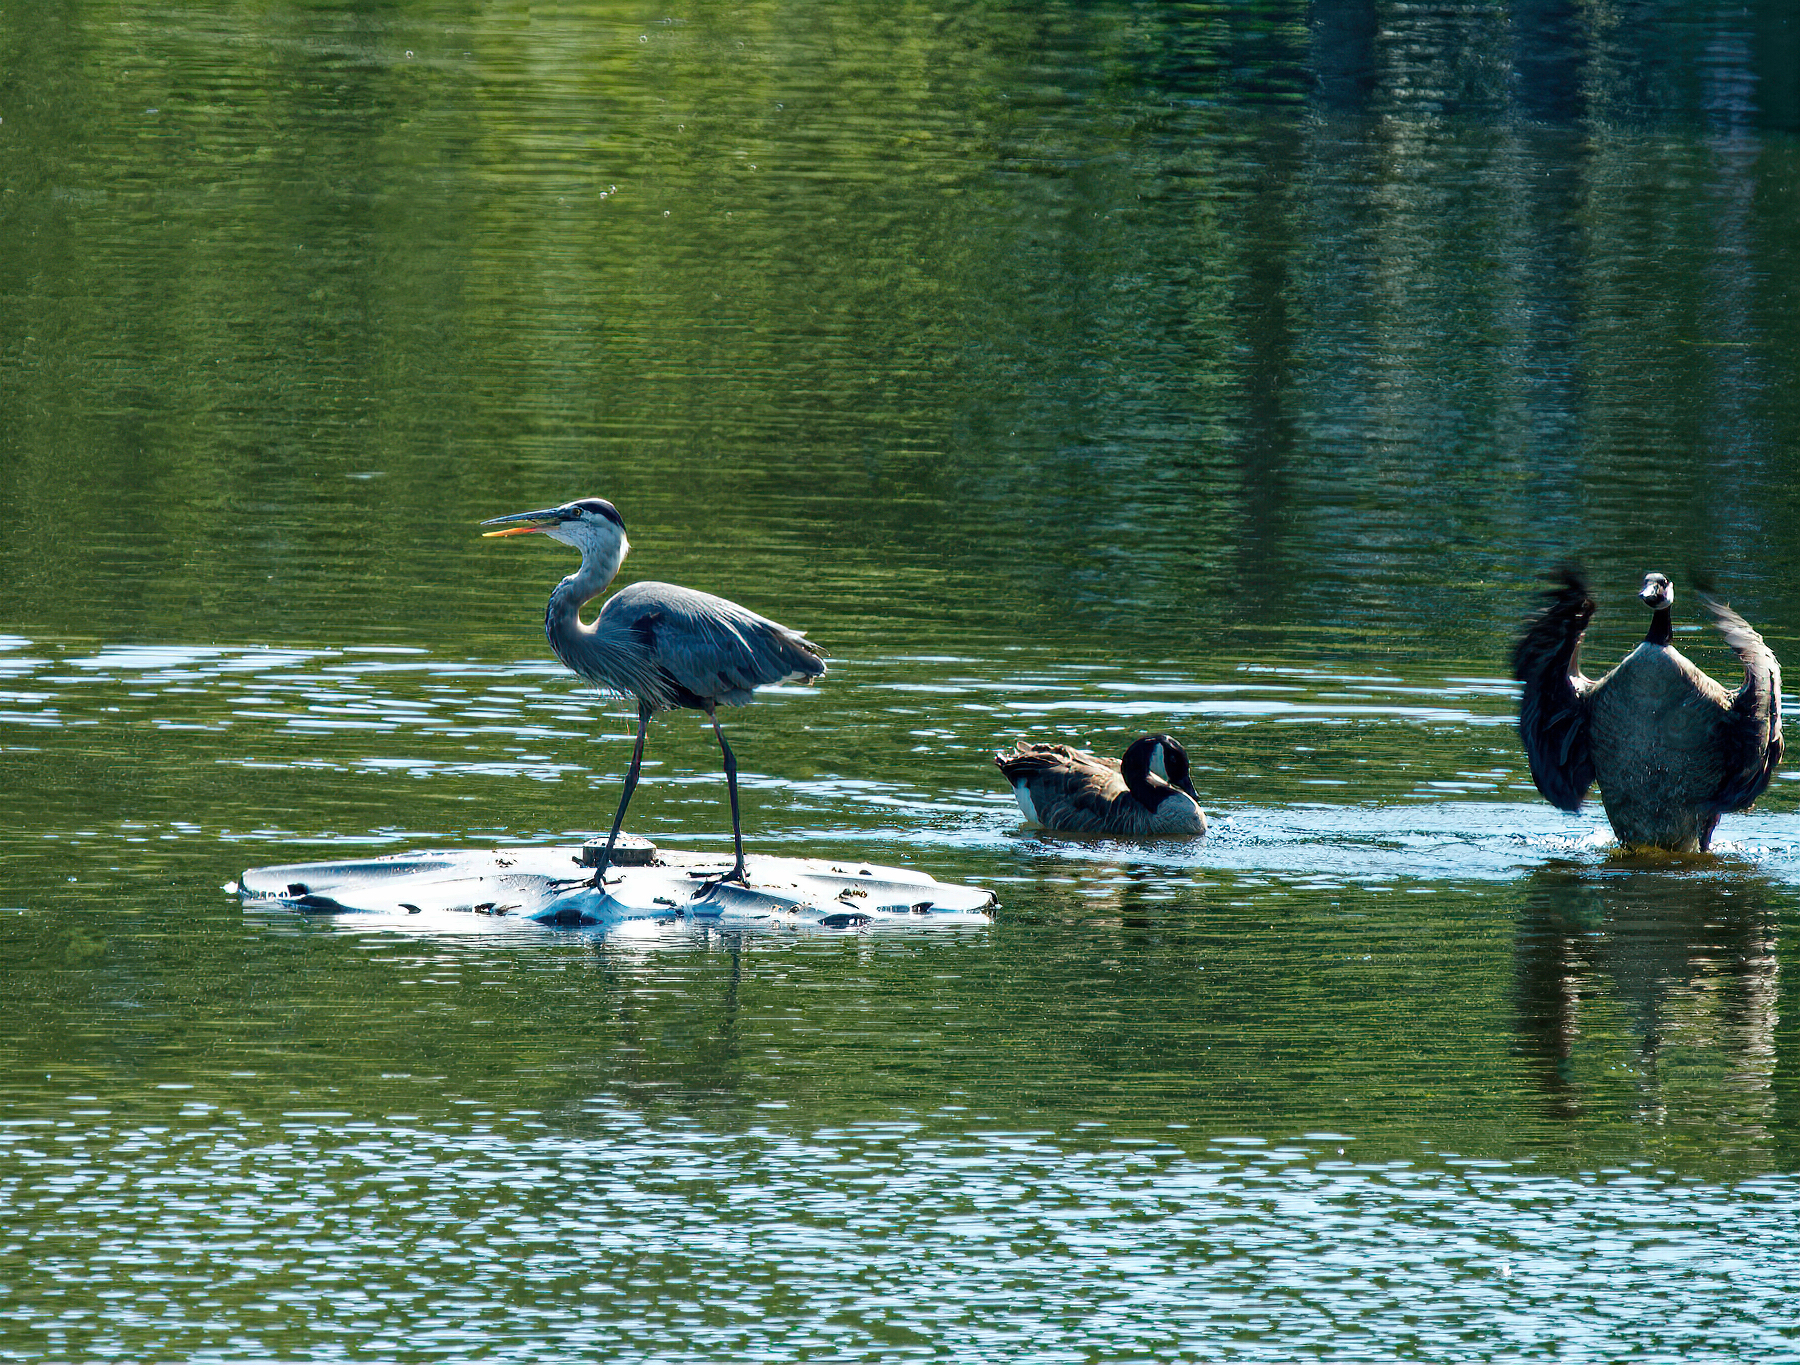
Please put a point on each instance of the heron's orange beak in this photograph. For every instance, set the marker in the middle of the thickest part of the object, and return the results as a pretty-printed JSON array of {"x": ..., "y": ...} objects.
[{"x": 524, "y": 523}]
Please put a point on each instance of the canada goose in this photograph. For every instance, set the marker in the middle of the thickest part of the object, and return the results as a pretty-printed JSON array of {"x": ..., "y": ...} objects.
[
  {"x": 1146, "y": 792},
  {"x": 1670, "y": 748}
]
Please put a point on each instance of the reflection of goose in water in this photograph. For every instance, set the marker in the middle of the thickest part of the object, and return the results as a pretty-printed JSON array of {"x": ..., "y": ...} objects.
[
  {"x": 1670, "y": 747},
  {"x": 1146, "y": 792},
  {"x": 1683, "y": 965}
]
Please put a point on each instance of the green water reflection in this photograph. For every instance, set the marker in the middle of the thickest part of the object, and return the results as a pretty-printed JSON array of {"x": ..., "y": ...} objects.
[{"x": 1067, "y": 371}]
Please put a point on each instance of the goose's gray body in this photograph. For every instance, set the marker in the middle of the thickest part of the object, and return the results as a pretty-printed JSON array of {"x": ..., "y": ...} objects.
[
  {"x": 1080, "y": 792},
  {"x": 1671, "y": 749}
]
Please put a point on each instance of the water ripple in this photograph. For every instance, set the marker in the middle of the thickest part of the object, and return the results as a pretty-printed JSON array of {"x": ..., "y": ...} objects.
[
  {"x": 228, "y": 1238},
  {"x": 1372, "y": 812}
]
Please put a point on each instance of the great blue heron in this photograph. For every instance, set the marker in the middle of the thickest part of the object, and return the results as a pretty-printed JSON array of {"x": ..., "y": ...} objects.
[
  {"x": 1670, "y": 747},
  {"x": 1145, "y": 792},
  {"x": 667, "y": 646}
]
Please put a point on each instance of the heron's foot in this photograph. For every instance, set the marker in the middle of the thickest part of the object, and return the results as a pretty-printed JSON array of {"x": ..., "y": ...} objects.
[
  {"x": 597, "y": 882},
  {"x": 710, "y": 880}
]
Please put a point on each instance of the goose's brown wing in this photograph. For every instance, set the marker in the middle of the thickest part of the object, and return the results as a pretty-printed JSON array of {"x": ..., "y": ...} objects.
[
  {"x": 1750, "y": 741},
  {"x": 1027, "y": 759},
  {"x": 1093, "y": 804},
  {"x": 1553, "y": 711},
  {"x": 1071, "y": 789}
]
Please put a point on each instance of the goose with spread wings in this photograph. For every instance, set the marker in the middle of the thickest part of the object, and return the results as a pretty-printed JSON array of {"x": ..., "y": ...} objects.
[{"x": 1671, "y": 749}]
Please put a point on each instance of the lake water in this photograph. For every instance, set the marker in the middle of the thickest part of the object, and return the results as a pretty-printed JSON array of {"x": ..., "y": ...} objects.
[{"x": 1068, "y": 373}]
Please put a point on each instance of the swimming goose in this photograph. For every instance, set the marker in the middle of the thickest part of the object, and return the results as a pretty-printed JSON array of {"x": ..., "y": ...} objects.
[
  {"x": 1670, "y": 747},
  {"x": 1146, "y": 792}
]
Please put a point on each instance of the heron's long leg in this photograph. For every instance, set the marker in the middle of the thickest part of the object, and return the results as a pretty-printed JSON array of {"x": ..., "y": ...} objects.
[
  {"x": 737, "y": 873},
  {"x": 631, "y": 781}
]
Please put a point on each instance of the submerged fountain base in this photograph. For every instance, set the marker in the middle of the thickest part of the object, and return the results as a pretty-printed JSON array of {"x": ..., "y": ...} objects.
[{"x": 548, "y": 886}]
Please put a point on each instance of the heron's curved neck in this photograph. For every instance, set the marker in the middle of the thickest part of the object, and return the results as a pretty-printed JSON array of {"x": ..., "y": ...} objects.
[
  {"x": 1661, "y": 630},
  {"x": 599, "y": 566}
]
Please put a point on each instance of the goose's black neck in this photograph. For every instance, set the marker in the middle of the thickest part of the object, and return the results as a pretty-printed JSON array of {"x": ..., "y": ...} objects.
[
  {"x": 1661, "y": 631},
  {"x": 1135, "y": 769}
]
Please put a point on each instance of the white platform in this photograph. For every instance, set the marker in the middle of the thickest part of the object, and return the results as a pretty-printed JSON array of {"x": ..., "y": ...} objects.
[{"x": 541, "y": 884}]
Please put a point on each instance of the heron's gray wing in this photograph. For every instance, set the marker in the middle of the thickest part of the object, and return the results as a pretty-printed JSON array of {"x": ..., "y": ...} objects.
[
  {"x": 711, "y": 650},
  {"x": 1553, "y": 710},
  {"x": 1751, "y": 739}
]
